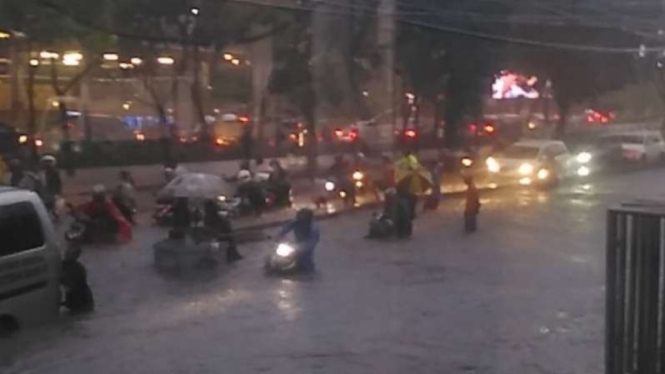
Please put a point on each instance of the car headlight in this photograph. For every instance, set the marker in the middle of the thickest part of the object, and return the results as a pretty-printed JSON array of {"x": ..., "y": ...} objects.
[
  {"x": 359, "y": 184},
  {"x": 466, "y": 161},
  {"x": 358, "y": 176},
  {"x": 543, "y": 174},
  {"x": 525, "y": 169},
  {"x": 584, "y": 157},
  {"x": 526, "y": 181},
  {"x": 330, "y": 186},
  {"x": 492, "y": 165},
  {"x": 583, "y": 171},
  {"x": 221, "y": 198},
  {"x": 284, "y": 250}
]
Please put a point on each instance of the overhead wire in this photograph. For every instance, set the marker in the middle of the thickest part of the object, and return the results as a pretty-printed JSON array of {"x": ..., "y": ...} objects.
[
  {"x": 489, "y": 36},
  {"x": 345, "y": 8}
]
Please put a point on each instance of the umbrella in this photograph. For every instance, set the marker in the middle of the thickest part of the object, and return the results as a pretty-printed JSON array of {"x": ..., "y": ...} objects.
[
  {"x": 410, "y": 174},
  {"x": 197, "y": 186}
]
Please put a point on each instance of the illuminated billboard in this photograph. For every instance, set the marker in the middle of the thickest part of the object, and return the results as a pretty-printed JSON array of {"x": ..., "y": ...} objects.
[{"x": 510, "y": 85}]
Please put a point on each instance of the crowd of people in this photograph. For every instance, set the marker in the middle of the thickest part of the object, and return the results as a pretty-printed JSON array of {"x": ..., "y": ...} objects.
[{"x": 111, "y": 214}]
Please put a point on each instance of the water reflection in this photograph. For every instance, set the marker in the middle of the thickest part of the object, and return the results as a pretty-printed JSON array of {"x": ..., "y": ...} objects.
[{"x": 286, "y": 300}]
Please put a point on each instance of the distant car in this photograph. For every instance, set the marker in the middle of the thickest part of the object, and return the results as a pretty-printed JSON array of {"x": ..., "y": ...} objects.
[
  {"x": 541, "y": 162},
  {"x": 634, "y": 146}
]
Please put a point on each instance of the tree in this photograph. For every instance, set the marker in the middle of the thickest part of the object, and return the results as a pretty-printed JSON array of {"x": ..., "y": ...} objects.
[
  {"x": 437, "y": 65},
  {"x": 293, "y": 75},
  {"x": 44, "y": 27}
]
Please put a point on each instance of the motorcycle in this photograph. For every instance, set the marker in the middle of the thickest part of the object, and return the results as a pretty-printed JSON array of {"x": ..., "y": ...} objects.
[
  {"x": 283, "y": 260},
  {"x": 78, "y": 297},
  {"x": 163, "y": 212},
  {"x": 82, "y": 231},
  {"x": 381, "y": 227}
]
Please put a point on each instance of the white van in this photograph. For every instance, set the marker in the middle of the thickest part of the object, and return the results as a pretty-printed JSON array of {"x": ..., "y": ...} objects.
[{"x": 29, "y": 261}]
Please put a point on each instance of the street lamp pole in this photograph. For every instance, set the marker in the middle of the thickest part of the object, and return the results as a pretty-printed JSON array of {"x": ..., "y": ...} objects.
[{"x": 32, "y": 126}]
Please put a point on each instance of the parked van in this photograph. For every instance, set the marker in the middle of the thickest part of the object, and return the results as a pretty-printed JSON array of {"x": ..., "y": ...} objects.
[{"x": 29, "y": 261}]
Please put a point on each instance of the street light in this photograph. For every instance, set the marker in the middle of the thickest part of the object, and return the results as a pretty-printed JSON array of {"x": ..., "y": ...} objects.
[
  {"x": 195, "y": 11},
  {"x": 111, "y": 57},
  {"x": 5, "y": 35},
  {"x": 72, "y": 58},
  {"x": 165, "y": 60}
]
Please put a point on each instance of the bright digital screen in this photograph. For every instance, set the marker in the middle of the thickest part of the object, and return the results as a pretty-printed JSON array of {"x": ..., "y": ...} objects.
[{"x": 510, "y": 85}]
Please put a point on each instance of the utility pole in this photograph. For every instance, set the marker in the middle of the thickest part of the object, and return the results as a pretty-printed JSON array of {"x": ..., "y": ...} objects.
[{"x": 386, "y": 38}]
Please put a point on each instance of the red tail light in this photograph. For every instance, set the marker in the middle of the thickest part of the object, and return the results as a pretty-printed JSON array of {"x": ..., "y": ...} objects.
[{"x": 410, "y": 133}]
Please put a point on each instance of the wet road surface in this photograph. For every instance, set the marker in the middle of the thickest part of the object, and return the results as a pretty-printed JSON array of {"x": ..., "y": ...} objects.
[{"x": 523, "y": 295}]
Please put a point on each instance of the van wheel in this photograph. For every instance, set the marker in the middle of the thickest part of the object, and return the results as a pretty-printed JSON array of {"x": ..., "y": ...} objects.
[{"x": 8, "y": 326}]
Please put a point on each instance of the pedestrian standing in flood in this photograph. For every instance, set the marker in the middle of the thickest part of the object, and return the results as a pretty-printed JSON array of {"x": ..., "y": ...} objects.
[{"x": 472, "y": 206}]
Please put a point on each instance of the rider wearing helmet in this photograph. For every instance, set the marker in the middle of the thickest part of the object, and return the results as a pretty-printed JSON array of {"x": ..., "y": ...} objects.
[{"x": 306, "y": 235}]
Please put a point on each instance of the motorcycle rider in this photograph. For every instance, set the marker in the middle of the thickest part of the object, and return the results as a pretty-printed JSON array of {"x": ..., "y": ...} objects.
[
  {"x": 251, "y": 190},
  {"x": 220, "y": 227},
  {"x": 279, "y": 184},
  {"x": 307, "y": 237},
  {"x": 78, "y": 295},
  {"x": 105, "y": 218},
  {"x": 52, "y": 183},
  {"x": 124, "y": 196},
  {"x": 340, "y": 171}
]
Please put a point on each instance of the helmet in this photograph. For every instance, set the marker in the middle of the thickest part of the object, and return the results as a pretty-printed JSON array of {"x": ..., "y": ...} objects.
[
  {"x": 305, "y": 216},
  {"x": 48, "y": 159},
  {"x": 99, "y": 192},
  {"x": 244, "y": 175}
]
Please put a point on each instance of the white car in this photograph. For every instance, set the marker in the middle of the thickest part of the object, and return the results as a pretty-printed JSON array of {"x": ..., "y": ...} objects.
[
  {"x": 29, "y": 261},
  {"x": 644, "y": 146},
  {"x": 537, "y": 162}
]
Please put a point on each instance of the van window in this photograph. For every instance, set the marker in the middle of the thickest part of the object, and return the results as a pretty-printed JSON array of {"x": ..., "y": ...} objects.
[
  {"x": 653, "y": 138},
  {"x": 20, "y": 229}
]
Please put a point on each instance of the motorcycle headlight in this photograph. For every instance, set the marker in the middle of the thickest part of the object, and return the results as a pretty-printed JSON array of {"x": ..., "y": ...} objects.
[
  {"x": 583, "y": 171},
  {"x": 543, "y": 174},
  {"x": 330, "y": 186},
  {"x": 492, "y": 165},
  {"x": 525, "y": 169},
  {"x": 358, "y": 175},
  {"x": 359, "y": 184},
  {"x": 221, "y": 198},
  {"x": 467, "y": 162},
  {"x": 284, "y": 250},
  {"x": 584, "y": 157}
]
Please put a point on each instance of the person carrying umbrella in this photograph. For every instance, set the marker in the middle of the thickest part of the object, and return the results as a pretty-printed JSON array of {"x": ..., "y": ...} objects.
[{"x": 411, "y": 179}]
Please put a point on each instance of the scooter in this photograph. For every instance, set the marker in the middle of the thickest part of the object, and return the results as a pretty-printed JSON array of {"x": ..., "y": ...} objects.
[
  {"x": 381, "y": 227},
  {"x": 163, "y": 213},
  {"x": 283, "y": 260},
  {"x": 345, "y": 190},
  {"x": 78, "y": 297},
  {"x": 81, "y": 231}
]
